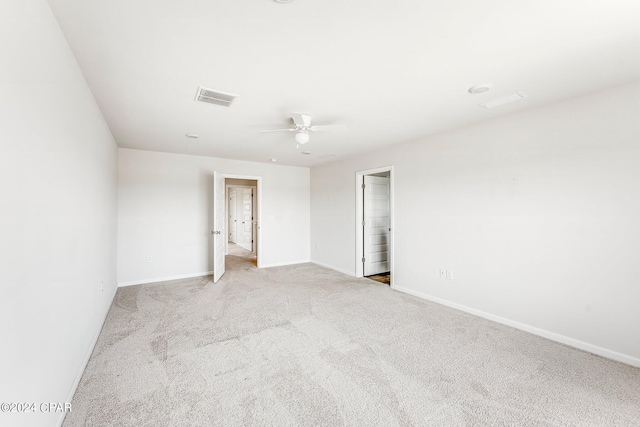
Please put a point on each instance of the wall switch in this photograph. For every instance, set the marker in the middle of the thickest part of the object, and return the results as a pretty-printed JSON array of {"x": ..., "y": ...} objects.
[
  {"x": 149, "y": 258},
  {"x": 443, "y": 273},
  {"x": 317, "y": 246},
  {"x": 449, "y": 274},
  {"x": 101, "y": 285}
]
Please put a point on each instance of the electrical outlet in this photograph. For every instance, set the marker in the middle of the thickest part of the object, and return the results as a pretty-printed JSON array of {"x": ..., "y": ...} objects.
[
  {"x": 101, "y": 285},
  {"x": 449, "y": 274},
  {"x": 443, "y": 273},
  {"x": 149, "y": 258},
  {"x": 317, "y": 246}
]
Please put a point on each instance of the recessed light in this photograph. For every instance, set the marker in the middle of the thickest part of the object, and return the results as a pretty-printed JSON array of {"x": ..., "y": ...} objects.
[
  {"x": 482, "y": 88},
  {"x": 283, "y": 1},
  {"x": 273, "y": 160},
  {"x": 306, "y": 152},
  {"x": 192, "y": 135}
]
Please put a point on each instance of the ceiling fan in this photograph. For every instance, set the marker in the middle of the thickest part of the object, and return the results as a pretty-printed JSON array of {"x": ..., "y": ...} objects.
[{"x": 303, "y": 127}]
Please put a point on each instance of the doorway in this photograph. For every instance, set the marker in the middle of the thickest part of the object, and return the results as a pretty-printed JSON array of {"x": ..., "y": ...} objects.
[
  {"x": 242, "y": 216},
  {"x": 247, "y": 187},
  {"x": 374, "y": 224}
]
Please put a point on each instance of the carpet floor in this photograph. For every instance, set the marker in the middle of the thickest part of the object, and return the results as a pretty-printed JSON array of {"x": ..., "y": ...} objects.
[{"x": 304, "y": 345}]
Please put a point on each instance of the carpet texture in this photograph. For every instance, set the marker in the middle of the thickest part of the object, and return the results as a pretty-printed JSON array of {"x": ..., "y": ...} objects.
[{"x": 306, "y": 346}]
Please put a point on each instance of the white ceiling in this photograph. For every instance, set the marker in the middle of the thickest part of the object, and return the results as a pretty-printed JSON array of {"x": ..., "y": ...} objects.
[{"x": 391, "y": 70}]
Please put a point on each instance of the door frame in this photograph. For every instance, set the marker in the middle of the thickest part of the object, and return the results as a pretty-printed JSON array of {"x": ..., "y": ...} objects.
[
  {"x": 258, "y": 209},
  {"x": 254, "y": 208},
  {"x": 360, "y": 213}
]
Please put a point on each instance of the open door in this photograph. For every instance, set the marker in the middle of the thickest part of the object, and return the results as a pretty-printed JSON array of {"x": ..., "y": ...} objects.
[
  {"x": 218, "y": 232},
  {"x": 376, "y": 224},
  {"x": 247, "y": 219},
  {"x": 233, "y": 218}
]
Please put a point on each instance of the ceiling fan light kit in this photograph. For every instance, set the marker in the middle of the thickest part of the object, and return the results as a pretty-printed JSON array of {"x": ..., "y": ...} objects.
[
  {"x": 302, "y": 137},
  {"x": 302, "y": 127}
]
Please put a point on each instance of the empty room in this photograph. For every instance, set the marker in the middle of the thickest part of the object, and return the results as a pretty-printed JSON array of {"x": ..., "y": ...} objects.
[{"x": 320, "y": 213}]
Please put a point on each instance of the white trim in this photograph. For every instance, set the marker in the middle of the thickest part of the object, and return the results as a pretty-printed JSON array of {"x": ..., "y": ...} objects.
[
  {"x": 562, "y": 339},
  {"x": 164, "y": 279},
  {"x": 282, "y": 264},
  {"x": 85, "y": 362},
  {"x": 340, "y": 270},
  {"x": 359, "y": 266}
]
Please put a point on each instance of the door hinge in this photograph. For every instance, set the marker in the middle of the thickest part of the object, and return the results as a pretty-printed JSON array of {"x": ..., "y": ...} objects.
[
  {"x": 363, "y": 222},
  {"x": 364, "y": 259},
  {"x": 363, "y": 186}
]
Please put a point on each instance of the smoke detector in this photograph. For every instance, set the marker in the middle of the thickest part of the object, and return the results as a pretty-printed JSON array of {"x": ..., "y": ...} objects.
[{"x": 481, "y": 88}]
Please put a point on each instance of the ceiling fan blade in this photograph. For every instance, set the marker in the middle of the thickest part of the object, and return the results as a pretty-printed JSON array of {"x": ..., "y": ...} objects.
[
  {"x": 301, "y": 119},
  {"x": 327, "y": 127},
  {"x": 278, "y": 130}
]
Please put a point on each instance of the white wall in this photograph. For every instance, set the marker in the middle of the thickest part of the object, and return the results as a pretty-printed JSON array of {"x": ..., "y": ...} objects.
[
  {"x": 537, "y": 214},
  {"x": 57, "y": 213},
  {"x": 164, "y": 211}
]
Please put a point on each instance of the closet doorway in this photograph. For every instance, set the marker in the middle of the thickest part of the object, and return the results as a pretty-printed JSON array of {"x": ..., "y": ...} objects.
[{"x": 374, "y": 224}]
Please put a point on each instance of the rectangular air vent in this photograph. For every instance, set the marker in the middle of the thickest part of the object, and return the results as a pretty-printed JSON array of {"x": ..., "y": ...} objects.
[
  {"x": 214, "y": 97},
  {"x": 504, "y": 100}
]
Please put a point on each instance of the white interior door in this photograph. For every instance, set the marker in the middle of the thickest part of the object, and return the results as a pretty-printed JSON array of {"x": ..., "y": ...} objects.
[
  {"x": 376, "y": 224},
  {"x": 247, "y": 219},
  {"x": 218, "y": 232},
  {"x": 254, "y": 227},
  {"x": 233, "y": 217}
]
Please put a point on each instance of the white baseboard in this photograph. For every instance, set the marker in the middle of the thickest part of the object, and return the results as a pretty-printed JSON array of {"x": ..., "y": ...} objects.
[
  {"x": 282, "y": 264},
  {"x": 581, "y": 345},
  {"x": 322, "y": 264},
  {"x": 164, "y": 279},
  {"x": 76, "y": 383}
]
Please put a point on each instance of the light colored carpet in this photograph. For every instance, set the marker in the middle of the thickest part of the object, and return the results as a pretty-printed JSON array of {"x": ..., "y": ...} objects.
[{"x": 306, "y": 346}]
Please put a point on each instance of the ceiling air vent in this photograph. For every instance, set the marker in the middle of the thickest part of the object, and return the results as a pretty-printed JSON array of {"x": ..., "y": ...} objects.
[
  {"x": 504, "y": 100},
  {"x": 215, "y": 97}
]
